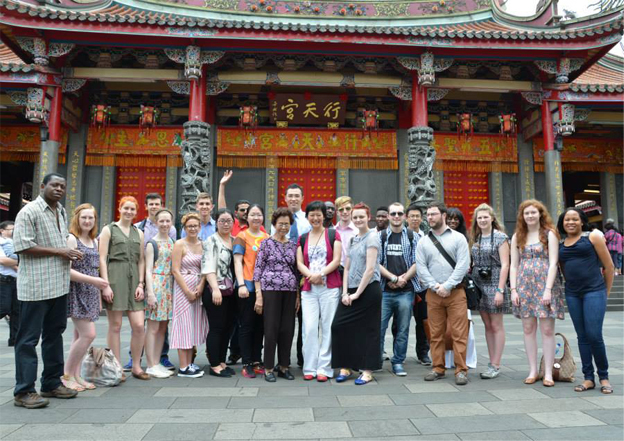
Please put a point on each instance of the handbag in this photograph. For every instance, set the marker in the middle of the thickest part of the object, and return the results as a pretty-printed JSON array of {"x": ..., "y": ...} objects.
[
  {"x": 472, "y": 289},
  {"x": 101, "y": 368},
  {"x": 564, "y": 367},
  {"x": 226, "y": 286}
]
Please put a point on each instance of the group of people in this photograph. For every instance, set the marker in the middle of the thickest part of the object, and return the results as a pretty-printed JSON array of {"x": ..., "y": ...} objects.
[{"x": 342, "y": 282}]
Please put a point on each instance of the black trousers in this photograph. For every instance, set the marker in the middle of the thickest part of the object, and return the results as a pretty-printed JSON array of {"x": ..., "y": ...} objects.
[
  {"x": 220, "y": 322},
  {"x": 300, "y": 338},
  {"x": 420, "y": 314},
  {"x": 279, "y": 326},
  {"x": 251, "y": 329},
  {"x": 9, "y": 305},
  {"x": 46, "y": 319}
]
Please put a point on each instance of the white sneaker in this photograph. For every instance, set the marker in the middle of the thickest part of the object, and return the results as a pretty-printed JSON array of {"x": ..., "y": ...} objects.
[
  {"x": 164, "y": 370},
  {"x": 156, "y": 373}
]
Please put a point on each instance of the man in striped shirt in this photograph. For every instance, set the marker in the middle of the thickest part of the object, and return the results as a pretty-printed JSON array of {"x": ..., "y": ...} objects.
[{"x": 40, "y": 239}]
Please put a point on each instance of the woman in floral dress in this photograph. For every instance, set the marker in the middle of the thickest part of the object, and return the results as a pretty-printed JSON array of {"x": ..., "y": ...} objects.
[
  {"x": 159, "y": 293},
  {"x": 535, "y": 286}
]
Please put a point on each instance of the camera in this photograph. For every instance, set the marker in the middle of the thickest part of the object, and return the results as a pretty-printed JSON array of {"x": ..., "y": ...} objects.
[{"x": 485, "y": 273}]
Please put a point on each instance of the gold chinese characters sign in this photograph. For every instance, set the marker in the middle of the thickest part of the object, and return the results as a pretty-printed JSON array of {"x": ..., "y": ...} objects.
[
  {"x": 475, "y": 148},
  {"x": 23, "y": 143},
  {"x": 585, "y": 154},
  {"x": 132, "y": 141},
  {"x": 307, "y": 109},
  {"x": 302, "y": 142}
]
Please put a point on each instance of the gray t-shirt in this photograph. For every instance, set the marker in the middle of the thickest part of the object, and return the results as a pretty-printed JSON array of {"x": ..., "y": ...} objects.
[{"x": 357, "y": 254}]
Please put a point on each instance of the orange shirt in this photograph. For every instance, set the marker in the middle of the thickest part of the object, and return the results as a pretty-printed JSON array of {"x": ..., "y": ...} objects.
[{"x": 248, "y": 245}]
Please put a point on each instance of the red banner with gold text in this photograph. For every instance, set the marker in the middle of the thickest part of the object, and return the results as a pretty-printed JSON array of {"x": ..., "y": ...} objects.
[
  {"x": 25, "y": 139},
  {"x": 125, "y": 140},
  {"x": 490, "y": 148}
]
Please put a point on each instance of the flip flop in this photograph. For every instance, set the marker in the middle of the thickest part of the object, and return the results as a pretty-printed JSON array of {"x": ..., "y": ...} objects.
[
  {"x": 582, "y": 388},
  {"x": 606, "y": 389}
]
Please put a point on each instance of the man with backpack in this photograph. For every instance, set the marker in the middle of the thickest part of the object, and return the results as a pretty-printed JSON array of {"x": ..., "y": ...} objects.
[{"x": 399, "y": 281}]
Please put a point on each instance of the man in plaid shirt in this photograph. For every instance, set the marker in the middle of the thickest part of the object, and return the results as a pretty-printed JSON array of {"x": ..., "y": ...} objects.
[{"x": 40, "y": 239}]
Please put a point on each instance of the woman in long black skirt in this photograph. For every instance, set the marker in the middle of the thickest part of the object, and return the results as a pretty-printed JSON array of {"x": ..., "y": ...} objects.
[{"x": 355, "y": 329}]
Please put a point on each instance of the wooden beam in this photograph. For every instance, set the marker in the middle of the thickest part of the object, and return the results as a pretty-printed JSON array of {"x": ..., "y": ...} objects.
[
  {"x": 21, "y": 53},
  {"x": 114, "y": 74}
]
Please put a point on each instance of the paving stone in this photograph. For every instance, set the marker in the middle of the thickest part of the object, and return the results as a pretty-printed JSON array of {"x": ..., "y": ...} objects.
[
  {"x": 602, "y": 433},
  {"x": 371, "y": 413},
  {"x": 181, "y": 432},
  {"x": 507, "y": 435},
  {"x": 609, "y": 416},
  {"x": 430, "y": 387},
  {"x": 458, "y": 409},
  {"x": 434, "y": 398},
  {"x": 5, "y": 429},
  {"x": 305, "y": 430},
  {"x": 351, "y": 389},
  {"x": 197, "y": 416},
  {"x": 194, "y": 403},
  {"x": 80, "y": 432},
  {"x": 540, "y": 405},
  {"x": 565, "y": 419},
  {"x": 125, "y": 390},
  {"x": 282, "y": 415},
  {"x": 518, "y": 394},
  {"x": 207, "y": 392},
  {"x": 475, "y": 424},
  {"x": 9, "y": 414},
  {"x": 288, "y": 392},
  {"x": 382, "y": 429},
  {"x": 365, "y": 400},
  {"x": 441, "y": 437},
  {"x": 282, "y": 402},
  {"x": 607, "y": 401},
  {"x": 230, "y": 431},
  {"x": 96, "y": 416},
  {"x": 108, "y": 402}
]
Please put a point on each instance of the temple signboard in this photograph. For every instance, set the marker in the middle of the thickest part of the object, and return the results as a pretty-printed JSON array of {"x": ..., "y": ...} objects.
[{"x": 307, "y": 109}]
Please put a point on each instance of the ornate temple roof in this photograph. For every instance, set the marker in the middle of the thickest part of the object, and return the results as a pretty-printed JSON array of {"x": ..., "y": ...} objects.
[
  {"x": 607, "y": 75},
  {"x": 9, "y": 62}
]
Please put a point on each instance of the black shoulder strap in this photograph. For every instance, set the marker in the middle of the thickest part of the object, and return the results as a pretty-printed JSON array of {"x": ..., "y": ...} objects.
[
  {"x": 142, "y": 225},
  {"x": 384, "y": 239},
  {"x": 332, "y": 237},
  {"x": 440, "y": 248}
]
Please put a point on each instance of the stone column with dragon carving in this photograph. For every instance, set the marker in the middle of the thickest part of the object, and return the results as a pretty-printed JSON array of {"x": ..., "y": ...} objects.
[{"x": 197, "y": 147}]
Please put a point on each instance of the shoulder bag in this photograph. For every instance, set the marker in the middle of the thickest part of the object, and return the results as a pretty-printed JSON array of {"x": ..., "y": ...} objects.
[
  {"x": 101, "y": 368},
  {"x": 564, "y": 367}
]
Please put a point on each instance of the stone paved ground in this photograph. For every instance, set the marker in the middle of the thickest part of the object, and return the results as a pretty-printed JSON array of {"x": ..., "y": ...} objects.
[{"x": 391, "y": 408}]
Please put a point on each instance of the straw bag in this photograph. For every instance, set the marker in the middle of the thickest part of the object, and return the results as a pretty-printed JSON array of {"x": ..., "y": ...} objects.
[
  {"x": 564, "y": 367},
  {"x": 101, "y": 368}
]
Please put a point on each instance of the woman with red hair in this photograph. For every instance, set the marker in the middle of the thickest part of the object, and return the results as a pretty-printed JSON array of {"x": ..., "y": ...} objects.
[
  {"x": 535, "y": 287},
  {"x": 122, "y": 264}
]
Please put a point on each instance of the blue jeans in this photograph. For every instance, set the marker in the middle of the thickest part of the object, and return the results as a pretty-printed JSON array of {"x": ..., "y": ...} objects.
[
  {"x": 399, "y": 305},
  {"x": 587, "y": 312}
]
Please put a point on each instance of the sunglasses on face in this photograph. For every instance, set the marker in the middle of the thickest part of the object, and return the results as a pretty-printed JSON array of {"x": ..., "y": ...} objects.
[
  {"x": 344, "y": 209},
  {"x": 396, "y": 214}
]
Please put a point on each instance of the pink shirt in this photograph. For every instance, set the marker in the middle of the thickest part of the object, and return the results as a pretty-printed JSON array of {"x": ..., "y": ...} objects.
[{"x": 346, "y": 233}]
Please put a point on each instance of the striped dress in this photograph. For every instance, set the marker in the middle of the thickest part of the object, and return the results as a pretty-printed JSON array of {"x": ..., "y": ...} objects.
[{"x": 189, "y": 326}]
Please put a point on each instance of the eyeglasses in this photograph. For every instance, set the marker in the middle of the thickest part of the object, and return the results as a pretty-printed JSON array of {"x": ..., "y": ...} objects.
[
  {"x": 396, "y": 214},
  {"x": 192, "y": 227},
  {"x": 345, "y": 209},
  {"x": 225, "y": 221}
]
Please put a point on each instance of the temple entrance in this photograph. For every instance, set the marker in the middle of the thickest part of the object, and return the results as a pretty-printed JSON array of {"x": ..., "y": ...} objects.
[
  {"x": 582, "y": 190},
  {"x": 137, "y": 182},
  {"x": 318, "y": 184},
  {"x": 466, "y": 190},
  {"x": 16, "y": 187}
]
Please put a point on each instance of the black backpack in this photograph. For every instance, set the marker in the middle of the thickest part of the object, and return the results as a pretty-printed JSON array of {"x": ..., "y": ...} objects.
[{"x": 332, "y": 238}]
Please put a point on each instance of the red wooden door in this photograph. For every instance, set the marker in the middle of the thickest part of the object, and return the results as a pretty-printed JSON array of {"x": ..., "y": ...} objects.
[
  {"x": 466, "y": 190},
  {"x": 318, "y": 184},
  {"x": 139, "y": 181}
]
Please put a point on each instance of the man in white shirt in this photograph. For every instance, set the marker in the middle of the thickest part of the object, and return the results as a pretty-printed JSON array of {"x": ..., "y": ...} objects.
[{"x": 345, "y": 227}]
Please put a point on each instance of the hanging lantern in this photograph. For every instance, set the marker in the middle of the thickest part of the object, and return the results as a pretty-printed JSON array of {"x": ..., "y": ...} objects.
[
  {"x": 248, "y": 117},
  {"x": 369, "y": 120},
  {"x": 100, "y": 116},
  {"x": 465, "y": 125},
  {"x": 508, "y": 124},
  {"x": 35, "y": 111},
  {"x": 148, "y": 117},
  {"x": 565, "y": 125}
]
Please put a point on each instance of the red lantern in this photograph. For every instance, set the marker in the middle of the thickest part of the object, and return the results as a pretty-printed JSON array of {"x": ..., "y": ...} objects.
[
  {"x": 100, "y": 116},
  {"x": 509, "y": 124},
  {"x": 147, "y": 118},
  {"x": 369, "y": 120},
  {"x": 248, "y": 117},
  {"x": 464, "y": 124}
]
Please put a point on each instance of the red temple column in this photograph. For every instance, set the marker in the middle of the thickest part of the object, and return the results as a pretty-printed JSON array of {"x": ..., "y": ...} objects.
[
  {"x": 552, "y": 165},
  {"x": 420, "y": 118},
  {"x": 197, "y": 101},
  {"x": 49, "y": 156}
]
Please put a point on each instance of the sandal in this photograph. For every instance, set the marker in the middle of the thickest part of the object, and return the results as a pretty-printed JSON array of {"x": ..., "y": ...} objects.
[
  {"x": 582, "y": 388},
  {"x": 607, "y": 389},
  {"x": 71, "y": 383},
  {"x": 84, "y": 383}
]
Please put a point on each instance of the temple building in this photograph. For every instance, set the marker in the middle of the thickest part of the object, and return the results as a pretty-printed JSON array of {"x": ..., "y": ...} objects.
[{"x": 409, "y": 100}]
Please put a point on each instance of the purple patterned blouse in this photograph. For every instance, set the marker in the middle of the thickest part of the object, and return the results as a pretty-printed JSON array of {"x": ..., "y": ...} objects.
[{"x": 275, "y": 266}]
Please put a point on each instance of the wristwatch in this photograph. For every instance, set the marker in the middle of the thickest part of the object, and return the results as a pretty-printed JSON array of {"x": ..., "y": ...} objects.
[{"x": 500, "y": 290}]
